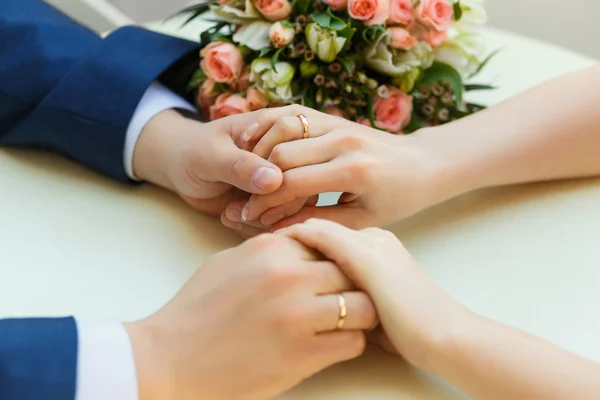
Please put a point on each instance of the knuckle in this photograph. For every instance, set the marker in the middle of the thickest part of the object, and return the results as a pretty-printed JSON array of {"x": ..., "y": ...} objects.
[
  {"x": 362, "y": 169},
  {"x": 293, "y": 320},
  {"x": 277, "y": 154},
  {"x": 350, "y": 142}
]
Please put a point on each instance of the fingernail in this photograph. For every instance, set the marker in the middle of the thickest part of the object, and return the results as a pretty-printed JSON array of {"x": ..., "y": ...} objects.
[
  {"x": 234, "y": 214},
  {"x": 272, "y": 219},
  {"x": 245, "y": 212},
  {"x": 250, "y": 131},
  {"x": 263, "y": 177}
]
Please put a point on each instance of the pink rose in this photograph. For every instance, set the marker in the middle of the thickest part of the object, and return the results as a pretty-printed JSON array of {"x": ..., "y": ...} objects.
[
  {"x": 228, "y": 104},
  {"x": 401, "y": 38},
  {"x": 274, "y": 10},
  {"x": 337, "y": 5},
  {"x": 435, "y": 38},
  {"x": 371, "y": 11},
  {"x": 221, "y": 62},
  {"x": 280, "y": 35},
  {"x": 206, "y": 97},
  {"x": 244, "y": 81},
  {"x": 335, "y": 111},
  {"x": 401, "y": 12},
  {"x": 256, "y": 100},
  {"x": 435, "y": 14},
  {"x": 393, "y": 112}
]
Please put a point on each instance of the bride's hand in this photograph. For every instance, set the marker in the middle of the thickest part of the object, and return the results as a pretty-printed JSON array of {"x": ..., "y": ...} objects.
[
  {"x": 384, "y": 177},
  {"x": 416, "y": 315}
]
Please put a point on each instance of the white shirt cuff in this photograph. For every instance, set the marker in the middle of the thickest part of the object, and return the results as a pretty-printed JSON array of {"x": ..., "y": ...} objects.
[
  {"x": 105, "y": 363},
  {"x": 156, "y": 99}
]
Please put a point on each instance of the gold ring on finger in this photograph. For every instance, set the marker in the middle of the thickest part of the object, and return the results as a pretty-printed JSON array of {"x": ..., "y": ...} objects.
[
  {"x": 343, "y": 312},
  {"x": 304, "y": 123}
]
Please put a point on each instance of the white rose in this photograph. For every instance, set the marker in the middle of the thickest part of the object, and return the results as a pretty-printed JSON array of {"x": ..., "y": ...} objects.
[
  {"x": 463, "y": 51},
  {"x": 274, "y": 83},
  {"x": 324, "y": 42},
  {"x": 392, "y": 62}
]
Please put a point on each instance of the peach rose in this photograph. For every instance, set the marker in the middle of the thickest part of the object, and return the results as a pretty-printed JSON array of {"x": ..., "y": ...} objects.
[
  {"x": 228, "y": 104},
  {"x": 274, "y": 10},
  {"x": 372, "y": 12},
  {"x": 221, "y": 62},
  {"x": 401, "y": 38},
  {"x": 281, "y": 35},
  {"x": 401, "y": 12},
  {"x": 435, "y": 38},
  {"x": 435, "y": 14},
  {"x": 256, "y": 100},
  {"x": 393, "y": 112},
  {"x": 206, "y": 97},
  {"x": 337, "y": 5},
  {"x": 244, "y": 81}
]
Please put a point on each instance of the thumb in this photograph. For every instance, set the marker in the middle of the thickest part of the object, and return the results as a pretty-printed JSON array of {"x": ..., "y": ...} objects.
[
  {"x": 248, "y": 172},
  {"x": 349, "y": 216}
]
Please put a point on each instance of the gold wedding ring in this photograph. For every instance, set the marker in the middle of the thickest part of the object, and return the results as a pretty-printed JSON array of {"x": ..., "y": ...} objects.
[
  {"x": 343, "y": 312},
  {"x": 304, "y": 123}
]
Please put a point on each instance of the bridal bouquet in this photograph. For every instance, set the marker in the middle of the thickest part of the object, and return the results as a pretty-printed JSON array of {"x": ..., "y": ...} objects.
[{"x": 396, "y": 65}]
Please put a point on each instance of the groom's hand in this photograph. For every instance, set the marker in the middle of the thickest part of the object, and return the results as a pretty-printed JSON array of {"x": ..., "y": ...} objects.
[{"x": 209, "y": 164}]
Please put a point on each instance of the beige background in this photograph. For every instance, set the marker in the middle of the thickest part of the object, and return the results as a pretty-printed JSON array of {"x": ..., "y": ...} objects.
[{"x": 570, "y": 24}]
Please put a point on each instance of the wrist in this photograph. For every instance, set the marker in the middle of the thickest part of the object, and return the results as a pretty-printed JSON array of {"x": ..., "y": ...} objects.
[
  {"x": 159, "y": 139},
  {"x": 152, "y": 375},
  {"x": 449, "y": 170}
]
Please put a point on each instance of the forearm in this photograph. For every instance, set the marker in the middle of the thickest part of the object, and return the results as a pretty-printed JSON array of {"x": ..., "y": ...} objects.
[
  {"x": 549, "y": 132},
  {"x": 492, "y": 361}
]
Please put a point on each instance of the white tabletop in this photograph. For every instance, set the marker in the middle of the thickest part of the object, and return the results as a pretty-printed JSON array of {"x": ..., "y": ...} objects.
[{"x": 75, "y": 243}]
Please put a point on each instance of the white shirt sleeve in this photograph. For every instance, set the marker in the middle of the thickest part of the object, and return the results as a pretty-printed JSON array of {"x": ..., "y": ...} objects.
[
  {"x": 105, "y": 363},
  {"x": 156, "y": 99}
]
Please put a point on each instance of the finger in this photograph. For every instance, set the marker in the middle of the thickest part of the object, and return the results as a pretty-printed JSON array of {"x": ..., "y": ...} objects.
[
  {"x": 336, "y": 242},
  {"x": 337, "y": 346},
  {"x": 345, "y": 214},
  {"x": 248, "y": 128},
  {"x": 327, "y": 278},
  {"x": 278, "y": 213},
  {"x": 302, "y": 182},
  {"x": 305, "y": 152},
  {"x": 234, "y": 214},
  {"x": 380, "y": 338},
  {"x": 291, "y": 128},
  {"x": 245, "y": 230},
  {"x": 359, "y": 309},
  {"x": 246, "y": 171}
]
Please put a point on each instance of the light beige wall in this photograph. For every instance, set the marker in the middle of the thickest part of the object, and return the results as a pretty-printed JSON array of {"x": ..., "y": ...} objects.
[{"x": 569, "y": 23}]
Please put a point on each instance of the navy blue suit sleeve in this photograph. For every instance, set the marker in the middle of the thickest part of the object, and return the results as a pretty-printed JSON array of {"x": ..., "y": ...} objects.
[
  {"x": 64, "y": 89},
  {"x": 38, "y": 359}
]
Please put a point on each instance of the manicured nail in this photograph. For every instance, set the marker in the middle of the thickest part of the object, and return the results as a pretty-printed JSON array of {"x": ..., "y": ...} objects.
[
  {"x": 245, "y": 212},
  {"x": 264, "y": 176},
  {"x": 234, "y": 214},
  {"x": 250, "y": 131},
  {"x": 272, "y": 219}
]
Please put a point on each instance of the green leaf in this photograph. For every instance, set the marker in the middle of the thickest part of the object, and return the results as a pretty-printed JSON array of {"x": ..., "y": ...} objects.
[
  {"x": 415, "y": 124},
  {"x": 197, "y": 78},
  {"x": 195, "y": 10},
  {"x": 264, "y": 51},
  {"x": 346, "y": 64},
  {"x": 457, "y": 11},
  {"x": 329, "y": 20},
  {"x": 302, "y": 6},
  {"x": 371, "y": 33},
  {"x": 371, "y": 108},
  {"x": 347, "y": 33},
  {"x": 476, "y": 86},
  {"x": 484, "y": 63},
  {"x": 441, "y": 72},
  {"x": 275, "y": 57}
]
